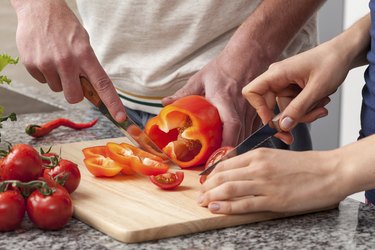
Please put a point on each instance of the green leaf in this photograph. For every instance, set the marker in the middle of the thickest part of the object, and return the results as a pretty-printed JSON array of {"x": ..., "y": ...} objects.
[
  {"x": 5, "y": 59},
  {"x": 5, "y": 79},
  {"x": 1, "y": 111}
]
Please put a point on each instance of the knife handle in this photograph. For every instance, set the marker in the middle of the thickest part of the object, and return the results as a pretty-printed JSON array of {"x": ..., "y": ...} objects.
[{"x": 89, "y": 92}]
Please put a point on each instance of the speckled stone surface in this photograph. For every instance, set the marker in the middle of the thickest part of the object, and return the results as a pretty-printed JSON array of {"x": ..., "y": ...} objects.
[{"x": 350, "y": 226}]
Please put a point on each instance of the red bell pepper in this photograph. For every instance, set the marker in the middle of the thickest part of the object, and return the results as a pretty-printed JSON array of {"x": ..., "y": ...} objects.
[{"x": 188, "y": 130}]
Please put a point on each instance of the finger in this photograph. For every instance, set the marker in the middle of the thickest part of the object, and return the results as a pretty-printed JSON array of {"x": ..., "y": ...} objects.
[
  {"x": 231, "y": 121},
  {"x": 72, "y": 88},
  {"x": 194, "y": 86},
  {"x": 229, "y": 191},
  {"x": 53, "y": 79},
  {"x": 286, "y": 137},
  {"x": 318, "y": 112},
  {"x": 245, "y": 205},
  {"x": 34, "y": 72},
  {"x": 239, "y": 161},
  {"x": 231, "y": 175},
  {"x": 105, "y": 89},
  {"x": 260, "y": 92},
  {"x": 54, "y": 82},
  {"x": 298, "y": 108},
  {"x": 70, "y": 81}
]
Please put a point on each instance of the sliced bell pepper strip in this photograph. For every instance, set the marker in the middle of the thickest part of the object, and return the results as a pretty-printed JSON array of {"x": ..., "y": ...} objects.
[
  {"x": 98, "y": 151},
  {"x": 138, "y": 135},
  {"x": 188, "y": 130},
  {"x": 102, "y": 166},
  {"x": 94, "y": 151},
  {"x": 140, "y": 161}
]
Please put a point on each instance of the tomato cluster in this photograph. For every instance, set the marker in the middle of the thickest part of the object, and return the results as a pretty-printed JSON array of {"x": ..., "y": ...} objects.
[
  {"x": 114, "y": 158},
  {"x": 36, "y": 184}
]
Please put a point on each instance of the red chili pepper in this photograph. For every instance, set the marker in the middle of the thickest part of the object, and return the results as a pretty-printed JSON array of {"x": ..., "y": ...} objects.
[{"x": 44, "y": 129}]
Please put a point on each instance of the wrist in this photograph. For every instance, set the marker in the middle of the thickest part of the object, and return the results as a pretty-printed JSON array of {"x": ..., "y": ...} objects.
[
  {"x": 244, "y": 61},
  {"x": 21, "y": 5},
  {"x": 334, "y": 176}
]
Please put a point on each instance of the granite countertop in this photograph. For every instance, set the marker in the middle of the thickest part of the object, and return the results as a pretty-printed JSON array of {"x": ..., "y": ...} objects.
[{"x": 350, "y": 226}]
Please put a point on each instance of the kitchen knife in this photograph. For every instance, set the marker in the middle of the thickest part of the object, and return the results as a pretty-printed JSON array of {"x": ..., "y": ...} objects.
[
  {"x": 129, "y": 128},
  {"x": 253, "y": 141}
]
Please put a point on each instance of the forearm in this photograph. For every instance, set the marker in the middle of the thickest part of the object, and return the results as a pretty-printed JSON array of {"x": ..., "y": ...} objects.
[
  {"x": 357, "y": 165},
  {"x": 269, "y": 29},
  {"x": 354, "y": 43}
]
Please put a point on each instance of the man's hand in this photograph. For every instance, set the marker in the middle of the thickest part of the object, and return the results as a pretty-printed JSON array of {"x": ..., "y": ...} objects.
[
  {"x": 221, "y": 83},
  {"x": 55, "y": 49}
]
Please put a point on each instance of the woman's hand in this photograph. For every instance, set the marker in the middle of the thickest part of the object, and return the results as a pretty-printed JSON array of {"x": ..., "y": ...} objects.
[
  {"x": 306, "y": 80},
  {"x": 301, "y": 85},
  {"x": 274, "y": 180}
]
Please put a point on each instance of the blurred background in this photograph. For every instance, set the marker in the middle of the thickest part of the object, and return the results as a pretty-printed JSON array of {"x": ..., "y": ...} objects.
[{"x": 339, "y": 128}]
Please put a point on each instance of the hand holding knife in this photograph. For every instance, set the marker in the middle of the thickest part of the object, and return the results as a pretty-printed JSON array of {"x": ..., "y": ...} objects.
[
  {"x": 253, "y": 141},
  {"x": 128, "y": 127}
]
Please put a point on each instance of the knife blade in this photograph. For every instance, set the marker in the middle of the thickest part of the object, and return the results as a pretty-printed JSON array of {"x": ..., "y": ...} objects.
[
  {"x": 128, "y": 127},
  {"x": 251, "y": 142}
]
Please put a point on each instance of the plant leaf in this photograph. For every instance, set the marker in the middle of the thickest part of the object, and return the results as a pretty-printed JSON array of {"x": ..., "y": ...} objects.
[
  {"x": 5, "y": 59},
  {"x": 5, "y": 79}
]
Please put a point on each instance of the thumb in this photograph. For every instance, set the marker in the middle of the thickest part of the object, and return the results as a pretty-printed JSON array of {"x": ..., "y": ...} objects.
[
  {"x": 301, "y": 107},
  {"x": 193, "y": 87}
]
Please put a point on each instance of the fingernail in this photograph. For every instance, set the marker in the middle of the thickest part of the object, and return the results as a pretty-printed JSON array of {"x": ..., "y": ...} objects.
[
  {"x": 120, "y": 116},
  {"x": 214, "y": 207},
  {"x": 200, "y": 199},
  {"x": 287, "y": 123},
  {"x": 322, "y": 115}
]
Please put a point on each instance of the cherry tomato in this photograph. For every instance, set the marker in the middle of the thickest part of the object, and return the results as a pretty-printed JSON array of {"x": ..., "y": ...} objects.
[
  {"x": 167, "y": 180},
  {"x": 23, "y": 163},
  {"x": 214, "y": 157},
  {"x": 12, "y": 210},
  {"x": 65, "y": 167},
  {"x": 50, "y": 212},
  {"x": 1, "y": 168}
]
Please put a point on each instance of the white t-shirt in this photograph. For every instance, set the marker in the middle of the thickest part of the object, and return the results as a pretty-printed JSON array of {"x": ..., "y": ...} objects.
[{"x": 150, "y": 48}]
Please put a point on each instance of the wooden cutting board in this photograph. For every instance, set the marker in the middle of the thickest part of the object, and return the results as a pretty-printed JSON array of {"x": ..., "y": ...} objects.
[{"x": 132, "y": 209}]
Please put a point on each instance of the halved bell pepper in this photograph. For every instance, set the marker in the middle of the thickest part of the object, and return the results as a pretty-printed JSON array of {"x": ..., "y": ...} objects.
[
  {"x": 139, "y": 160},
  {"x": 189, "y": 130}
]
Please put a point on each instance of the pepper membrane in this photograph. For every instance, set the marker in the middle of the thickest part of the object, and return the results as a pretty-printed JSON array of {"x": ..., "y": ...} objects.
[{"x": 188, "y": 130}]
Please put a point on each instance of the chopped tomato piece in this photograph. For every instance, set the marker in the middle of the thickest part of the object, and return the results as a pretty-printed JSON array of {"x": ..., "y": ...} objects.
[
  {"x": 102, "y": 166},
  {"x": 188, "y": 130},
  {"x": 215, "y": 157},
  {"x": 168, "y": 180}
]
